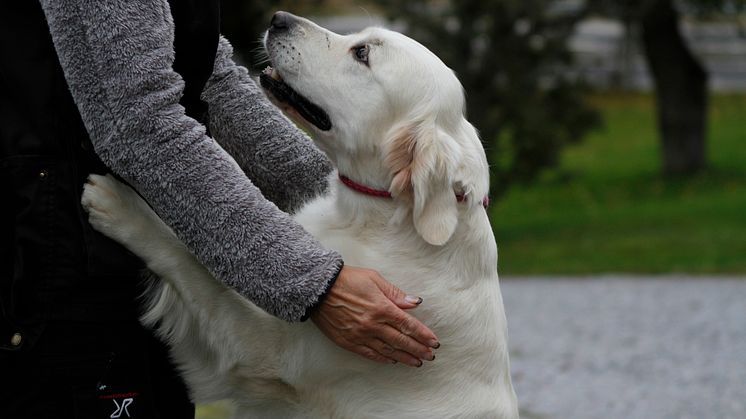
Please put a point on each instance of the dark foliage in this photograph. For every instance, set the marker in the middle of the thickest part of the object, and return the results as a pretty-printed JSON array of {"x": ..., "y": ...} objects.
[{"x": 243, "y": 22}]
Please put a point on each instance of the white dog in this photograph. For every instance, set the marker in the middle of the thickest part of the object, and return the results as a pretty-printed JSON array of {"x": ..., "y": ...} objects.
[{"x": 389, "y": 113}]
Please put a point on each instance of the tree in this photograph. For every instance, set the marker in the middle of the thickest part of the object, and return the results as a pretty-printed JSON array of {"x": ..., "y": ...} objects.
[
  {"x": 512, "y": 57},
  {"x": 680, "y": 87},
  {"x": 680, "y": 79}
]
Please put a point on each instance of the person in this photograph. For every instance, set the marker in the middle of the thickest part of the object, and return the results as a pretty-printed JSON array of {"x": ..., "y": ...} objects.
[{"x": 132, "y": 87}]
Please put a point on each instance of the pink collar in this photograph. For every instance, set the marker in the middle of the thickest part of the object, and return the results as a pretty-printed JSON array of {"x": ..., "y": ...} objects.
[{"x": 386, "y": 194}]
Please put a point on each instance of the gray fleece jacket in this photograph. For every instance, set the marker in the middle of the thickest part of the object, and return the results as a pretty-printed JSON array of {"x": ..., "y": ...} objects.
[{"x": 117, "y": 58}]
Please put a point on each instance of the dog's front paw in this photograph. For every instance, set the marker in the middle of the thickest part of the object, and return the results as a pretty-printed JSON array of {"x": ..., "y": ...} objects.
[{"x": 110, "y": 205}]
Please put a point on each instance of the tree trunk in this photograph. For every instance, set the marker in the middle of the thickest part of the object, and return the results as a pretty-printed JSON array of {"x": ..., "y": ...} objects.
[{"x": 681, "y": 89}]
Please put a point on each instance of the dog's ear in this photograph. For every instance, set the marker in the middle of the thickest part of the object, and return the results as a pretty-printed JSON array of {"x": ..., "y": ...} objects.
[{"x": 423, "y": 161}]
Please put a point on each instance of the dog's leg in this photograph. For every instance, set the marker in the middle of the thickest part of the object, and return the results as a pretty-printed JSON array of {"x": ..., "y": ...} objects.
[
  {"x": 227, "y": 347},
  {"x": 117, "y": 211}
]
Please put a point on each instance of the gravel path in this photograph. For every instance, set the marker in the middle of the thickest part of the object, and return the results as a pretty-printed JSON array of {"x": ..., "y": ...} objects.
[{"x": 628, "y": 347}]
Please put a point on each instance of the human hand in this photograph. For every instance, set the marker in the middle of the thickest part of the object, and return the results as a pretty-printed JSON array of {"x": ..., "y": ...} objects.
[{"x": 364, "y": 314}]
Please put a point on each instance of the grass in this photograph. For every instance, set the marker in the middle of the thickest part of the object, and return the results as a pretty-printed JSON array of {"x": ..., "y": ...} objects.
[
  {"x": 217, "y": 410},
  {"x": 606, "y": 208}
]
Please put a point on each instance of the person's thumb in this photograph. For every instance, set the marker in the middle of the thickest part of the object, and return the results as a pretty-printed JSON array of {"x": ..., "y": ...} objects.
[{"x": 397, "y": 296}]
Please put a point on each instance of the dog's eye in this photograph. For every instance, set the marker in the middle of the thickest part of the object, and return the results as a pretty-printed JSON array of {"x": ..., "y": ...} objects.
[{"x": 361, "y": 53}]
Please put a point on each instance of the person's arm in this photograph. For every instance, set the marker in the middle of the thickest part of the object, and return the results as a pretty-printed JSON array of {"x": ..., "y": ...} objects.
[
  {"x": 117, "y": 58},
  {"x": 278, "y": 158}
]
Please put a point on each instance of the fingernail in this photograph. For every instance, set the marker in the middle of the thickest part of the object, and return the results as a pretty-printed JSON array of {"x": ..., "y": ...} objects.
[
  {"x": 413, "y": 300},
  {"x": 429, "y": 356},
  {"x": 420, "y": 364},
  {"x": 435, "y": 344}
]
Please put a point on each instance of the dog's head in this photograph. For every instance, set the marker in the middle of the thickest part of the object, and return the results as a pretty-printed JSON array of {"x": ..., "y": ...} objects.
[{"x": 386, "y": 110}]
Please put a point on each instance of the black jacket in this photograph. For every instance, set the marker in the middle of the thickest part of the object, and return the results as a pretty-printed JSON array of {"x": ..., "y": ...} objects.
[{"x": 53, "y": 265}]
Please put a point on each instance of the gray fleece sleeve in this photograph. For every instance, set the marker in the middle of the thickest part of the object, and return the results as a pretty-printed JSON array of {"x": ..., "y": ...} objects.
[
  {"x": 276, "y": 156},
  {"x": 117, "y": 57}
]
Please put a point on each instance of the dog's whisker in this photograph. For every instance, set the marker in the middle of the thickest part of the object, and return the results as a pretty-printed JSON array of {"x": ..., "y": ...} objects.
[
  {"x": 260, "y": 54},
  {"x": 367, "y": 13}
]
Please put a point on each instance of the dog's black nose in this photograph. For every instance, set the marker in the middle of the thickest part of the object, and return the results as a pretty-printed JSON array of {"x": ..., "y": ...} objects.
[{"x": 282, "y": 21}]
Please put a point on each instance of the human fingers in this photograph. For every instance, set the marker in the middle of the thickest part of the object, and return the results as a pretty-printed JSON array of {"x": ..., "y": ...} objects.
[
  {"x": 395, "y": 355},
  {"x": 372, "y": 354},
  {"x": 362, "y": 334},
  {"x": 356, "y": 313},
  {"x": 403, "y": 322},
  {"x": 398, "y": 339},
  {"x": 376, "y": 350},
  {"x": 396, "y": 295}
]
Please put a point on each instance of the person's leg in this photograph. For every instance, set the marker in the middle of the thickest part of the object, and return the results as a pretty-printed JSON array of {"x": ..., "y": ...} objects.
[
  {"x": 141, "y": 380},
  {"x": 56, "y": 376},
  {"x": 92, "y": 370}
]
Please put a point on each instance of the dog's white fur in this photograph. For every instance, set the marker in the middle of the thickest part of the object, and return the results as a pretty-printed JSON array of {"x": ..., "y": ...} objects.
[{"x": 398, "y": 124}]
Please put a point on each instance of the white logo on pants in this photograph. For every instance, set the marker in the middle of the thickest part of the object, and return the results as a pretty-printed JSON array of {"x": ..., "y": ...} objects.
[{"x": 121, "y": 409}]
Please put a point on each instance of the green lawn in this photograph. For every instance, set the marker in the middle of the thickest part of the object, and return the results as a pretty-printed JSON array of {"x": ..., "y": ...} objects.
[
  {"x": 218, "y": 410},
  {"x": 607, "y": 209}
]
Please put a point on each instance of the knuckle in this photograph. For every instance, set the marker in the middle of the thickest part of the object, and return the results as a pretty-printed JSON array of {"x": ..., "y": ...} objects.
[
  {"x": 380, "y": 313},
  {"x": 400, "y": 342},
  {"x": 386, "y": 349},
  {"x": 406, "y": 326},
  {"x": 366, "y": 335},
  {"x": 390, "y": 288},
  {"x": 370, "y": 354},
  {"x": 354, "y": 337},
  {"x": 366, "y": 329}
]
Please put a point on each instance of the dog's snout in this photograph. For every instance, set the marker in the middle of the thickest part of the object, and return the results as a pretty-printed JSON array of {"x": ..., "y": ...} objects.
[{"x": 282, "y": 21}]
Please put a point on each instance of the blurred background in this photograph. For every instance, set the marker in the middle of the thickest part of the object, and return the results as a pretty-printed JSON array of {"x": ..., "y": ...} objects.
[{"x": 616, "y": 134}]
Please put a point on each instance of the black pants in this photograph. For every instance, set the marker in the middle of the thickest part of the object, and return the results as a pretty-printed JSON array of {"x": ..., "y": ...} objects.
[{"x": 92, "y": 370}]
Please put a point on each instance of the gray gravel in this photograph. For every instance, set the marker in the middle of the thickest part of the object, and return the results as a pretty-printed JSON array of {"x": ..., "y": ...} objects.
[{"x": 628, "y": 347}]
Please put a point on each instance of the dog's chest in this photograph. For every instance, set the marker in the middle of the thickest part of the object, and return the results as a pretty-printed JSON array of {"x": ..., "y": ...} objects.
[{"x": 357, "y": 239}]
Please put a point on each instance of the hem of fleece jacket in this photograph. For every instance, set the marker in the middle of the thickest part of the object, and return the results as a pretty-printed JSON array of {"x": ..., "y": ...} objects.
[{"x": 321, "y": 297}]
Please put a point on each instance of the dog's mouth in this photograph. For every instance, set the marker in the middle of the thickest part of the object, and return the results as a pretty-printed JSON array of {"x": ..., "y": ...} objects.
[{"x": 270, "y": 80}]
